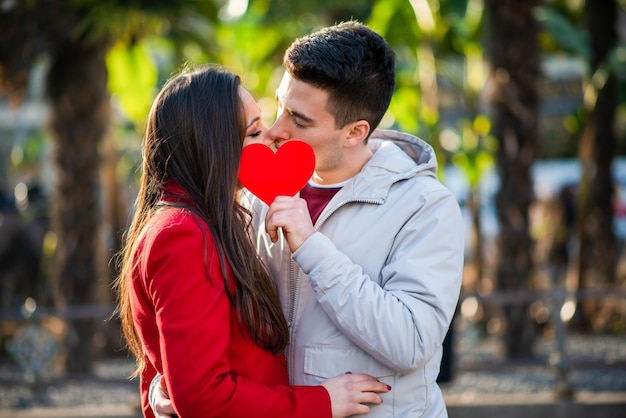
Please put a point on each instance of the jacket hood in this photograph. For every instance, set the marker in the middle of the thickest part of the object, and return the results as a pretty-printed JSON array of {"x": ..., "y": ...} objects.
[
  {"x": 397, "y": 156},
  {"x": 415, "y": 148}
]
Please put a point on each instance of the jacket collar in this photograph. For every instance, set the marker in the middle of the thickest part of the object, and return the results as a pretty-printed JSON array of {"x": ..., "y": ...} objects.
[
  {"x": 397, "y": 156},
  {"x": 174, "y": 193}
]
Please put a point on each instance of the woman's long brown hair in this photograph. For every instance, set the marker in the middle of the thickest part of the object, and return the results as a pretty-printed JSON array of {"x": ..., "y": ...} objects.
[{"x": 194, "y": 136}]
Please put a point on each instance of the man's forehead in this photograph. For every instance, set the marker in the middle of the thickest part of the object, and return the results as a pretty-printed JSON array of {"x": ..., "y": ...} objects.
[
  {"x": 282, "y": 87},
  {"x": 295, "y": 93}
]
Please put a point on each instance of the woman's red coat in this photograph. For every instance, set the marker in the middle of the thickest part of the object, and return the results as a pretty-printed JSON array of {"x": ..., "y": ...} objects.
[{"x": 192, "y": 336}]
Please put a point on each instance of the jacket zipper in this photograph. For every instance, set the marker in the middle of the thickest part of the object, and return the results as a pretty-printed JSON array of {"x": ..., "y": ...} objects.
[
  {"x": 294, "y": 283},
  {"x": 293, "y": 289}
]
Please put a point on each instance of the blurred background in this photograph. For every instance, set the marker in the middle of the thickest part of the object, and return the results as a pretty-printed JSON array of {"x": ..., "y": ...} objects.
[{"x": 524, "y": 102}]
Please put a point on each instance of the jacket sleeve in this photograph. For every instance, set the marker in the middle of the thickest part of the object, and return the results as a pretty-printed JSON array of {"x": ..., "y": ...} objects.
[
  {"x": 193, "y": 320},
  {"x": 401, "y": 317},
  {"x": 145, "y": 384}
]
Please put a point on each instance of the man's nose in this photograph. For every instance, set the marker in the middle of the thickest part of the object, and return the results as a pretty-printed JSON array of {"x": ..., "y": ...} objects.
[{"x": 278, "y": 132}]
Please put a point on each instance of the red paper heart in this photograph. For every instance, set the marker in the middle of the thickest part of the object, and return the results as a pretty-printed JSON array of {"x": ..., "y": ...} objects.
[{"x": 284, "y": 173}]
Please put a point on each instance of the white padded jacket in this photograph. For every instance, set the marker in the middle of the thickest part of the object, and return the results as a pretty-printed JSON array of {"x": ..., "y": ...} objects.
[{"x": 374, "y": 289}]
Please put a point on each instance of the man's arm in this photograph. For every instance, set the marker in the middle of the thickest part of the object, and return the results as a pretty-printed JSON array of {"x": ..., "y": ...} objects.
[{"x": 401, "y": 320}]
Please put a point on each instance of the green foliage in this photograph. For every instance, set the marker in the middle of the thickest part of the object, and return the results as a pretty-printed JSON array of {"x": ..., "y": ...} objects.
[
  {"x": 615, "y": 62},
  {"x": 322, "y": 12},
  {"x": 474, "y": 150},
  {"x": 132, "y": 79},
  {"x": 562, "y": 32},
  {"x": 133, "y": 19},
  {"x": 28, "y": 153},
  {"x": 405, "y": 107},
  {"x": 394, "y": 19}
]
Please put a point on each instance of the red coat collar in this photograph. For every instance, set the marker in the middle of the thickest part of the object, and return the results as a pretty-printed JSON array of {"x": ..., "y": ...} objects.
[{"x": 175, "y": 193}]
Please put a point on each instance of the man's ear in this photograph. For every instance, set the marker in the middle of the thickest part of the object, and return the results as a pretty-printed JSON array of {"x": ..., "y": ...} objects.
[{"x": 357, "y": 132}]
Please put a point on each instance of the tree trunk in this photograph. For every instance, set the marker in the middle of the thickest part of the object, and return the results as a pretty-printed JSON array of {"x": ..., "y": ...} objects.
[
  {"x": 598, "y": 255},
  {"x": 80, "y": 114},
  {"x": 515, "y": 69}
]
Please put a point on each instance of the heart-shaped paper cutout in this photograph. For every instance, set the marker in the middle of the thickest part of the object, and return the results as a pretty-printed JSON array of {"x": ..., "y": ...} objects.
[{"x": 284, "y": 173}]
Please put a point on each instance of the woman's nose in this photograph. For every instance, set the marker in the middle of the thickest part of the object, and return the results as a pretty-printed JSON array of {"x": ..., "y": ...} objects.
[{"x": 262, "y": 138}]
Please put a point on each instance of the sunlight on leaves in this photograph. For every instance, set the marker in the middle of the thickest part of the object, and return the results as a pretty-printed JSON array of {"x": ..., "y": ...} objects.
[{"x": 132, "y": 79}]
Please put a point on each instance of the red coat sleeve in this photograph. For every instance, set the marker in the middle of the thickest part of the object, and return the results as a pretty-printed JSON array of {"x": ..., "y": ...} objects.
[
  {"x": 181, "y": 277},
  {"x": 144, "y": 384}
]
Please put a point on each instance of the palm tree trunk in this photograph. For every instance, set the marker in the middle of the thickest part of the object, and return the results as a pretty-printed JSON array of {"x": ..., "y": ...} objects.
[
  {"x": 597, "y": 260},
  {"x": 80, "y": 113},
  {"x": 515, "y": 68}
]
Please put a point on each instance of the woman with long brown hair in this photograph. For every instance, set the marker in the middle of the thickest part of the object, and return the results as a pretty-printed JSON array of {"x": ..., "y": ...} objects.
[{"x": 196, "y": 304}]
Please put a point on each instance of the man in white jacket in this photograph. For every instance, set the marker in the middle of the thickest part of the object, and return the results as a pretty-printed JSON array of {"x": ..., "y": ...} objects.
[{"x": 368, "y": 258}]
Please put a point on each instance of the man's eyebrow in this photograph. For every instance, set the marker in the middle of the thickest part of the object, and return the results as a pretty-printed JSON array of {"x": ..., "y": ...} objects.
[
  {"x": 300, "y": 116},
  {"x": 293, "y": 112}
]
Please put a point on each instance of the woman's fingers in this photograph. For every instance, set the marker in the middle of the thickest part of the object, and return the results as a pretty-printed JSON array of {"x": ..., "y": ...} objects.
[
  {"x": 353, "y": 393},
  {"x": 368, "y": 383}
]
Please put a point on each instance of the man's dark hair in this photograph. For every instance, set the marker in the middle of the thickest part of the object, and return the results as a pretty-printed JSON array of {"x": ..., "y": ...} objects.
[{"x": 351, "y": 62}]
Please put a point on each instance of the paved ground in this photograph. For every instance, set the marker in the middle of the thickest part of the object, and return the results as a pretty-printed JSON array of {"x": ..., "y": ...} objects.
[
  {"x": 592, "y": 386},
  {"x": 484, "y": 385}
]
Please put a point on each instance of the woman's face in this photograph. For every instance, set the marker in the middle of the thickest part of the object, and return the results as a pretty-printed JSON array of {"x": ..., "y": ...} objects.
[{"x": 256, "y": 131}]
